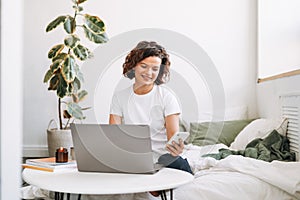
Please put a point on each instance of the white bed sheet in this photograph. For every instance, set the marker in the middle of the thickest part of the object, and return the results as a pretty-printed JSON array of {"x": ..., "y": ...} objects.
[
  {"x": 216, "y": 185},
  {"x": 237, "y": 177}
]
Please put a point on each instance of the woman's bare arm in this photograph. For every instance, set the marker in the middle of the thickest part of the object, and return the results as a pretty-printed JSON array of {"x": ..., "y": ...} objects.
[
  {"x": 172, "y": 126},
  {"x": 115, "y": 119}
]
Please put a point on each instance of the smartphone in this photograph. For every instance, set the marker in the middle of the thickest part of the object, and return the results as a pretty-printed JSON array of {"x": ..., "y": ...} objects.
[{"x": 177, "y": 136}]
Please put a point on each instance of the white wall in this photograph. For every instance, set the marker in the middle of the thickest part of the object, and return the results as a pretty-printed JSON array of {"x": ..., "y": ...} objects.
[
  {"x": 268, "y": 101},
  {"x": 278, "y": 36},
  {"x": 226, "y": 30},
  {"x": 11, "y": 98}
]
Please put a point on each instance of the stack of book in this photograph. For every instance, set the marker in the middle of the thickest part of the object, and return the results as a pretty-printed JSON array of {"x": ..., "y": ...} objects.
[{"x": 49, "y": 164}]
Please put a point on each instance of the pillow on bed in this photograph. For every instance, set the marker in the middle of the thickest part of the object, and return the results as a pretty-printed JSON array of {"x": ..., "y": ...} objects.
[
  {"x": 183, "y": 126},
  {"x": 258, "y": 128},
  {"x": 206, "y": 133}
]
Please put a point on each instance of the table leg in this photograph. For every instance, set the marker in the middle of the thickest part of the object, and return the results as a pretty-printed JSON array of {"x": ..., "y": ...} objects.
[
  {"x": 62, "y": 196},
  {"x": 163, "y": 195},
  {"x": 56, "y": 195}
]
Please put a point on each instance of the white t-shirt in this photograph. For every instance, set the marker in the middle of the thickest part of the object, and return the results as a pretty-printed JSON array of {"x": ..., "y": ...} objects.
[{"x": 150, "y": 109}]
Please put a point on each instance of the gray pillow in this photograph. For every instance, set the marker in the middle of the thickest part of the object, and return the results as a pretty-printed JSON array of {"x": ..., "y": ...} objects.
[{"x": 206, "y": 133}]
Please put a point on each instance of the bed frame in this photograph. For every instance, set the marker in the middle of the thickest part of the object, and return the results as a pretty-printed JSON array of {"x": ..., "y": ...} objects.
[{"x": 290, "y": 107}]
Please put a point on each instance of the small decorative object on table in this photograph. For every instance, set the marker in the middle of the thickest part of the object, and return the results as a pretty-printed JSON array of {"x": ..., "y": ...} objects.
[{"x": 61, "y": 155}]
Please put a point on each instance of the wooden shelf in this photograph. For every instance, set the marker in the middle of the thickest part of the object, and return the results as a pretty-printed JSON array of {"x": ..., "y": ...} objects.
[{"x": 286, "y": 74}]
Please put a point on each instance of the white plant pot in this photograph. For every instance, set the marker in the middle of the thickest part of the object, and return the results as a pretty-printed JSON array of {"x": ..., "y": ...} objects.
[{"x": 58, "y": 138}]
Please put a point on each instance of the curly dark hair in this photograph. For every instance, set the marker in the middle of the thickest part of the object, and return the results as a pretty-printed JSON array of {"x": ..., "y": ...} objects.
[{"x": 145, "y": 49}]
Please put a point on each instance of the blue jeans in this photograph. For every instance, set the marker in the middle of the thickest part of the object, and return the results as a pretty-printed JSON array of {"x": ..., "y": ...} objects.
[{"x": 175, "y": 162}]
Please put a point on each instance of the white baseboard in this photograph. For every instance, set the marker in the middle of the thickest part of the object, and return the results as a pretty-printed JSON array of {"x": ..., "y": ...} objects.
[{"x": 35, "y": 151}]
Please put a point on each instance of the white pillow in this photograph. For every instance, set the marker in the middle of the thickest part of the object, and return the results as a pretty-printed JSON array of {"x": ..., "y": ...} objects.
[{"x": 258, "y": 128}]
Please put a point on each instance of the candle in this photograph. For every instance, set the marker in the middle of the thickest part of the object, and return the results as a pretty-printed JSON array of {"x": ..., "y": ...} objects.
[{"x": 61, "y": 155}]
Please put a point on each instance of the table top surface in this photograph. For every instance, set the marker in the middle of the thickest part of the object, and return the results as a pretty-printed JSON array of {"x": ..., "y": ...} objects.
[{"x": 72, "y": 181}]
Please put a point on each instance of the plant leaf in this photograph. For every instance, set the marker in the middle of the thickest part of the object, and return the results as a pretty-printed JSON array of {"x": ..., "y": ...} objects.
[
  {"x": 75, "y": 110},
  {"x": 62, "y": 87},
  {"x": 79, "y": 1},
  {"x": 57, "y": 64},
  {"x": 80, "y": 77},
  {"x": 70, "y": 24},
  {"x": 86, "y": 108},
  {"x": 70, "y": 89},
  {"x": 82, "y": 94},
  {"x": 66, "y": 115},
  {"x": 77, "y": 68},
  {"x": 54, "y": 51},
  {"x": 81, "y": 52},
  {"x": 94, "y": 23},
  {"x": 75, "y": 98},
  {"x": 76, "y": 85},
  {"x": 68, "y": 69},
  {"x": 59, "y": 20},
  {"x": 97, "y": 38},
  {"x": 71, "y": 41},
  {"x": 54, "y": 81},
  {"x": 78, "y": 8},
  {"x": 60, "y": 56},
  {"x": 48, "y": 75}
]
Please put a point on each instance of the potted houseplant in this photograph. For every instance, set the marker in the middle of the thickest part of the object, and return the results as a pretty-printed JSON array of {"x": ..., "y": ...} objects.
[{"x": 64, "y": 75}]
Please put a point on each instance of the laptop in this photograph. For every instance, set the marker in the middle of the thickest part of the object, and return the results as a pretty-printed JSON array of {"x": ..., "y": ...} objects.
[{"x": 113, "y": 148}]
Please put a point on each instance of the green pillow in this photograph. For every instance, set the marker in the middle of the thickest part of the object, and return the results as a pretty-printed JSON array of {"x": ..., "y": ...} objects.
[
  {"x": 183, "y": 125},
  {"x": 206, "y": 133}
]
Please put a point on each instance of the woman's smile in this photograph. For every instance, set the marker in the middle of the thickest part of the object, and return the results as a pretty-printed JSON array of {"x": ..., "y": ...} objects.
[{"x": 146, "y": 77}]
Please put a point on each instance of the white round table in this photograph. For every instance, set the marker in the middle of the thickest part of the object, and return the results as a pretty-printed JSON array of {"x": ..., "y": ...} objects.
[{"x": 72, "y": 181}]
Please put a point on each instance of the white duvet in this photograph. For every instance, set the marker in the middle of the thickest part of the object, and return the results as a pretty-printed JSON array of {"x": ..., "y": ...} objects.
[{"x": 237, "y": 177}]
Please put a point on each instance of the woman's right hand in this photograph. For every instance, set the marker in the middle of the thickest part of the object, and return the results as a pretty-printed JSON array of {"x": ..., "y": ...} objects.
[{"x": 175, "y": 149}]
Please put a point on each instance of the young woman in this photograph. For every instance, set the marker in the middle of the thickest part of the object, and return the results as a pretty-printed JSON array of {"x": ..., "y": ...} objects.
[{"x": 148, "y": 102}]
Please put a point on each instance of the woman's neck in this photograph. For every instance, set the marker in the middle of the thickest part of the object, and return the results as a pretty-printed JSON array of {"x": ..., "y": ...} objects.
[{"x": 142, "y": 89}]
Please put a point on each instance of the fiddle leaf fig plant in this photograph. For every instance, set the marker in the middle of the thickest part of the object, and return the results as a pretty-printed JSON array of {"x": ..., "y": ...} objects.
[{"x": 64, "y": 75}]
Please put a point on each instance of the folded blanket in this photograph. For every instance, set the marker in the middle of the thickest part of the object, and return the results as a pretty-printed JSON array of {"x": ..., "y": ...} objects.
[{"x": 273, "y": 147}]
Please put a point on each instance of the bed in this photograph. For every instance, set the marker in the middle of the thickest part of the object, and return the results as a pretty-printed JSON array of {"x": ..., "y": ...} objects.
[{"x": 240, "y": 177}]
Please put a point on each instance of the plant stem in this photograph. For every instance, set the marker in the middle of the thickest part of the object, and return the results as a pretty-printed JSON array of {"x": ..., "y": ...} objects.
[
  {"x": 59, "y": 113},
  {"x": 67, "y": 123}
]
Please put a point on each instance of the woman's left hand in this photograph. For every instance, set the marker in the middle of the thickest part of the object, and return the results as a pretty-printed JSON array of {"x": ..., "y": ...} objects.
[{"x": 175, "y": 149}]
